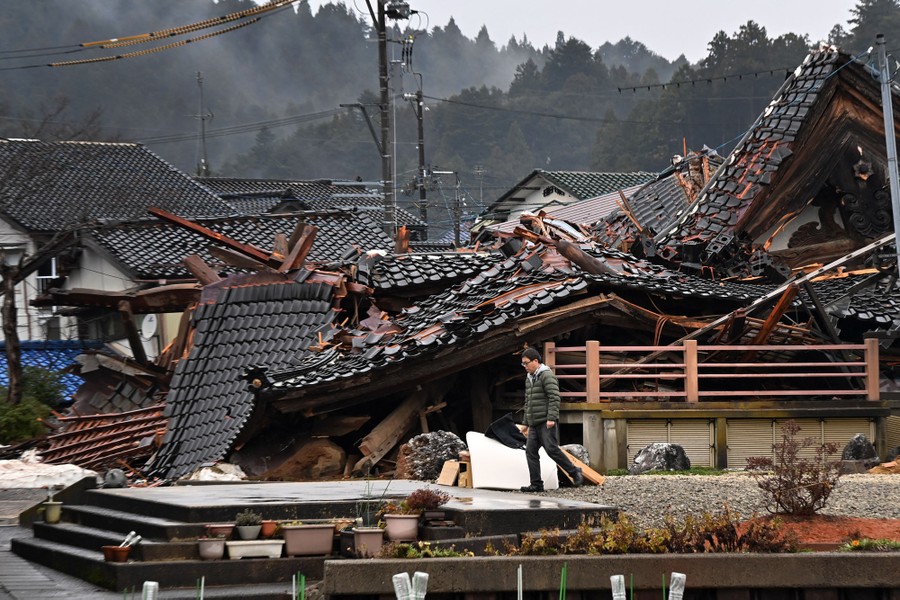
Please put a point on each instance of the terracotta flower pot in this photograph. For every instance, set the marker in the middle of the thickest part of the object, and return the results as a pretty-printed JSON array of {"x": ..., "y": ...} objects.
[
  {"x": 116, "y": 554},
  {"x": 268, "y": 528},
  {"x": 219, "y": 529}
]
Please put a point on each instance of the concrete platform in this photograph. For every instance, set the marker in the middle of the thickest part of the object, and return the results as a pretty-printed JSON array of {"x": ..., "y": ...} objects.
[{"x": 171, "y": 518}]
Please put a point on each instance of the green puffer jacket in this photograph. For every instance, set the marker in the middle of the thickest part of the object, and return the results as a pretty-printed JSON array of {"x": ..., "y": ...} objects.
[{"x": 541, "y": 397}]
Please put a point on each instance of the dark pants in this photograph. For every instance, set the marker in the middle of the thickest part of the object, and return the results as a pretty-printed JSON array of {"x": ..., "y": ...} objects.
[{"x": 539, "y": 436}]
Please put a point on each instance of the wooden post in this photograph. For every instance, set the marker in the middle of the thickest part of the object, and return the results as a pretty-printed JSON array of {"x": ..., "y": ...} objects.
[
  {"x": 873, "y": 389},
  {"x": 550, "y": 355},
  {"x": 691, "y": 383},
  {"x": 592, "y": 370}
]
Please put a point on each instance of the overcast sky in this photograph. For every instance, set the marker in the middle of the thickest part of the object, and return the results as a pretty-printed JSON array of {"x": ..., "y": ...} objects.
[{"x": 667, "y": 27}]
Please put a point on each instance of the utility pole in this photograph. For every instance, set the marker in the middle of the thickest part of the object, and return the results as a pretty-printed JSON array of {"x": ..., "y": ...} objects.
[
  {"x": 396, "y": 10},
  {"x": 889, "y": 138},
  {"x": 420, "y": 108},
  {"x": 203, "y": 164},
  {"x": 457, "y": 209}
]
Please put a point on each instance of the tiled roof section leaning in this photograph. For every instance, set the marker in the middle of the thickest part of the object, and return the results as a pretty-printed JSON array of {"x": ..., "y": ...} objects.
[
  {"x": 781, "y": 162},
  {"x": 657, "y": 203},
  {"x": 209, "y": 402},
  {"x": 257, "y": 196},
  {"x": 49, "y": 186},
  {"x": 156, "y": 250}
]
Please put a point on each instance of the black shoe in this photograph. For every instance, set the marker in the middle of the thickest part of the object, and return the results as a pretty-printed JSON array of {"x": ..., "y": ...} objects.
[
  {"x": 578, "y": 479},
  {"x": 531, "y": 489}
]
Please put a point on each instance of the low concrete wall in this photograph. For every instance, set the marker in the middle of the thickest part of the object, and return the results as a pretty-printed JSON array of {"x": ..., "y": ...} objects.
[{"x": 730, "y": 573}]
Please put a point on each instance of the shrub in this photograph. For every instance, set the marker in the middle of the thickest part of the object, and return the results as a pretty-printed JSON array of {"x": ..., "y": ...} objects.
[
  {"x": 793, "y": 484},
  {"x": 427, "y": 499},
  {"x": 720, "y": 532},
  {"x": 247, "y": 517},
  {"x": 22, "y": 421}
]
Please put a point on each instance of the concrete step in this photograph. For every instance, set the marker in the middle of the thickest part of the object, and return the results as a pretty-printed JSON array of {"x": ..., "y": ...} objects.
[
  {"x": 92, "y": 538},
  {"x": 90, "y": 566},
  {"x": 123, "y": 522},
  {"x": 277, "y": 509}
]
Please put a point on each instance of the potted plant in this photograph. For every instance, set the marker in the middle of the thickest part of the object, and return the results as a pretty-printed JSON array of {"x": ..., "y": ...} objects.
[
  {"x": 307, "y": 539},
  {"x": 401, "y": 520},
  {"x": 248, "y": 523}
]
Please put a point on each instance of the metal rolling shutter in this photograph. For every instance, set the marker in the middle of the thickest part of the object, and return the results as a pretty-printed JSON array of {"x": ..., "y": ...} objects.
[
  {"x": 643, "y": 433},
  {"x": 746, "y": 438},
  {"x": 809, "y": 428},
  {"x": 892, "y": 431},
  {"x": 697, "y": 437},
  {"x": 841, "y": 431}
]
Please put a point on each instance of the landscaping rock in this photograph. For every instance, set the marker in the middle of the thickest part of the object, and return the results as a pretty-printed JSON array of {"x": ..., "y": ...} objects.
[
  {"x": 660, "y": 457},
  {"x": 579, "y": 452},
  {"x": 859, "y": 455},
  {"x": 423, "y": 456}
]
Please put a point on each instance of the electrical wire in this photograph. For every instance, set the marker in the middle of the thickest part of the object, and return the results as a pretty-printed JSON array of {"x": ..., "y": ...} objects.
[{"x": 259, "y": 12}]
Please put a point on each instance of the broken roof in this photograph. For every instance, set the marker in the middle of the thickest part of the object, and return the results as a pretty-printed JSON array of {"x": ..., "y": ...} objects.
[
  {"x": 241, "y": 322},
  {"x": 156, "y": 250},
  {"x": 821, "y": 138}
]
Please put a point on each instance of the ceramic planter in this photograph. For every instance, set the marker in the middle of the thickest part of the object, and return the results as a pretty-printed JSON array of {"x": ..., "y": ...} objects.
[
  {"x": 367, "y": 541},
  {"x": 211, "y": 548},
  {"x": 308, "y": 540},
  {"x": 401, "y": 528},
  {"x": 248, "y": 532},
  {"x": 52, "y": 511},
  {"x": 116, "y": 554},
  {"x": 254, "y": 548},
  {"x": 219, "y": 530}
]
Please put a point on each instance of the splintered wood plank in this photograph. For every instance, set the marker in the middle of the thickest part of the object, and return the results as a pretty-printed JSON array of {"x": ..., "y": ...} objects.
[
  {"x": 589, "y": 474},
  {"x": 449, "y": 473},
  {"x": 298, "y": 252},
  {"x": 336, "y": 426},
  {"x": 389, "y": 432},
  {"x": 198, "y": 267}
]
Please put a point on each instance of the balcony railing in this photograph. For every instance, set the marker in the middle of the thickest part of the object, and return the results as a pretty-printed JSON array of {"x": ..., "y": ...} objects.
[{"x": 693, "y": 372}]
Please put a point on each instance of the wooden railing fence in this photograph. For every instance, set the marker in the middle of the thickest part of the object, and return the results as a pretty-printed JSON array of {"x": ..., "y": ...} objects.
[{"x": 693, "y": 372}]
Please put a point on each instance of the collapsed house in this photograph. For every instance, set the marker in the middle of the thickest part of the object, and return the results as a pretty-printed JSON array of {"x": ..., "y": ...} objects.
[{"x": 767, "y": 265}]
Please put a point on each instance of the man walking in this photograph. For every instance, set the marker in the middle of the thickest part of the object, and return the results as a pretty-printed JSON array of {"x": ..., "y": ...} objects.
[{"x": 541, "y": 416}]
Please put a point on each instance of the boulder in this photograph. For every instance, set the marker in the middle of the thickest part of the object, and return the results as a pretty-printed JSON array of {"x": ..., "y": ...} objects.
[
  {"x": 423, "y": 456},
  {"x": 859, "y": 455},
  {"x": 660, "y": 457},
  {"x": 892, "y": 454},
  {"x": 579, "y": 452}
]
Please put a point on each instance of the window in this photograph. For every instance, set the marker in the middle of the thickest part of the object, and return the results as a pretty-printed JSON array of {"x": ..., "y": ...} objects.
[{"x": 46, "y": 273}]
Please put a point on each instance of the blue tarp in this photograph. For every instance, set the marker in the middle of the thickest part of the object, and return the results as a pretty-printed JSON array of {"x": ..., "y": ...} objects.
[{"x": 53, "y": 355}]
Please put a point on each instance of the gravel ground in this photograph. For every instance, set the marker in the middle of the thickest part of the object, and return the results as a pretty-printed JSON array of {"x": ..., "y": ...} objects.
[{"x": 647, "y": 499}]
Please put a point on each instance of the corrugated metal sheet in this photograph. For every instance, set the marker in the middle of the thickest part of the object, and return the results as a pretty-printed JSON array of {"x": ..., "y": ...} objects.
[
  {"x": 841, "y": 431},
  {"x": 697, "y": 437},
  {"x": 892, "y": 431},
  {"x": 746, "y": 438},
  {"x": 809, "y": 428},
  {"x": 644, "y": 432}
]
